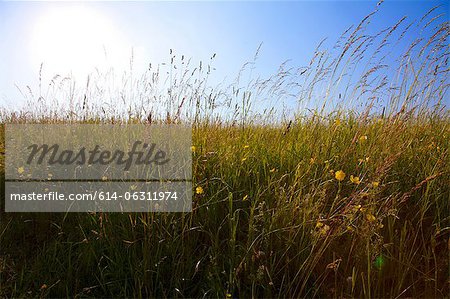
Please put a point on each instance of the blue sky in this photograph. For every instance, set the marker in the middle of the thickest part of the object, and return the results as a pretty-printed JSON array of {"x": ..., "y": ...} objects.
[{"x": 232, "y": 29}]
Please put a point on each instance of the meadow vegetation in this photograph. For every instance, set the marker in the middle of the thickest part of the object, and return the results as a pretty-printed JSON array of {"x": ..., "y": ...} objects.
[{"x": 346, "y": 196}]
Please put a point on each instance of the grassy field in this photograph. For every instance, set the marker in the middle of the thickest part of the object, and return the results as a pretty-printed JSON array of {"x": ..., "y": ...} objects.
[{"x": 330, "y": 203}]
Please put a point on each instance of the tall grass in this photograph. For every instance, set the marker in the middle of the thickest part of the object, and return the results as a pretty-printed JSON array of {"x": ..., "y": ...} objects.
[{"x": 274, "y": 220}]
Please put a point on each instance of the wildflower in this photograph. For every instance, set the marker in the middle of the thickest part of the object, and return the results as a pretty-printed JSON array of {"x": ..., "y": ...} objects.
[
  {"x": 199, "y": 190},
  {"x": 363, "y": 138},
  {"x": 337, "y": 122},
  {"x": 349, "y": 228},
  {"x": 193, "y": 149},
  {"x": 319, "y": 224},
  {"x": 364, "y": 160},
  {"x": 357, "y": 207},
  {"x": 339, "y": 175},
  {"x": 324, "y": 229},
  {"x": 20, "y": 170},
  {"x": 375, "y": 184},
  {"x": 355, "y": 180},
  {"x": 370, "y": 217}
]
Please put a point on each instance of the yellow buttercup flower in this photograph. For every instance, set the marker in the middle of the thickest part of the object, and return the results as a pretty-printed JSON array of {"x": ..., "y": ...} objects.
[
  {"x": 363, "y": 138},
  {"x": 370, "y": 217},
  {"x": 324, "y": 229},
  {"x": 20, "y": 170},
  {"x": 355, "y": 180},
  {"x": 375, "y": 184},
  {"x": 193, "y": 149},
  {"x": 356, "y": 208},
  {"x": 339, "y": 175},
  {"x": 199, "y": 190},
  {"x": 319, "y": 224}
]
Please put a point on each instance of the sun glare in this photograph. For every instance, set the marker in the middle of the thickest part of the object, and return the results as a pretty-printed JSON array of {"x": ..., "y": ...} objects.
[{"x": 75, "y": 40}]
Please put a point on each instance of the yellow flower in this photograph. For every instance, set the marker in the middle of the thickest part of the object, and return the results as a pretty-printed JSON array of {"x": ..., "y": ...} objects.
[
  {"x": 355, "y": 180},
  {"x": 363, "y": 160},
  {"x": 324, "y": 229},
  {"x": 199, "y": 190},
  {"x": 375, "y": 184},
  {"x": 357, "y": 207},
  {"x": 319, "y": 224},
  {"x": 337, "y": 122},
  {"x": 339, "y": 175},
  {"x": 246, "y": 146},
  {"x": 193, "y": 149},
  {"x": 20, "y": 170},
  {"x": 363, "y": 138},
  {"x": 370, "y": 217}
]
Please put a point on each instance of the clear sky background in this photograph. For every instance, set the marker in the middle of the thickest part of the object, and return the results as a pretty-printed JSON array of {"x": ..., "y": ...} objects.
[{"x": 72, "y": 36}]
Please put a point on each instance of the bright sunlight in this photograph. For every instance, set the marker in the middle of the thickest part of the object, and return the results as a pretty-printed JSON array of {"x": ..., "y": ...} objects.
[{"x": 75, "y": 40}]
